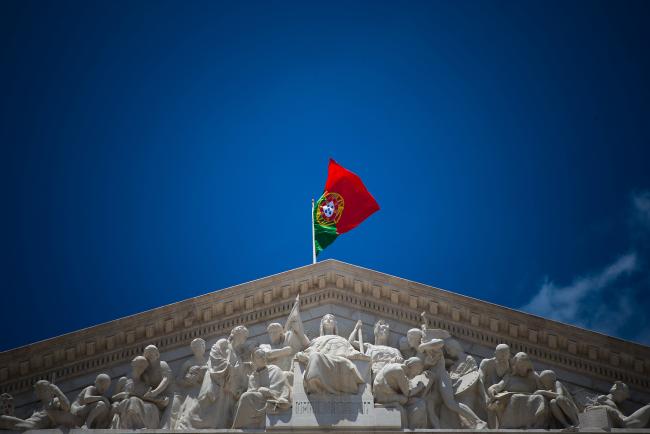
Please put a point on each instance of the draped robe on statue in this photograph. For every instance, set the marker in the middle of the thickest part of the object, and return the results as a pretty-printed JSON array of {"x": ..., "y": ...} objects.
[
  {"x": 187, "y": 391},
  {"x": 223, "y": 383},
  {"x": 134, "y": 412},
  {"x": 253, "y": 405},
  {"x": 329, "y": 369}
]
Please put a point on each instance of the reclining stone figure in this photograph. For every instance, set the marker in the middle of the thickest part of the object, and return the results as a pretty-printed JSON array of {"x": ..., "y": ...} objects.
[
  {"x": 54, "y": 411},
  {"x": 619, "y": 393}
]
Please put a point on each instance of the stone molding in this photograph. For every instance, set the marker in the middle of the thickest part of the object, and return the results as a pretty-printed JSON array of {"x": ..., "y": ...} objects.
[
  {"x": 215, "y": 314},
  {"x": 338, "y": 431}
]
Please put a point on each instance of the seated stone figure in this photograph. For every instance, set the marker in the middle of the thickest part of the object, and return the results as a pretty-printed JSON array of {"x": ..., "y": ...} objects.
[
  {"x": 137, "y": 408},
  {"x": 561, "y": 403},
  {"x": 92, "y": 406},
  {"x": 268, "y": 392},
  {"x": 380, "y": 352},
  {"x": 439, "y": 393},
  {"x": 54, "y": 411},
  {"x": 188, "y": 382},
  {"x": 279, "y": 350},
  {"x": 286, "y": 341},
  {"x": 619, "y": 393},
  {"x": 329, "y": 362},
  {"x": 513, "y": 401},
  {"x": 224, "y": 381},
  {"x": 465, "y": 378},
  {"x": 391, "y": 386},
  {"x": 492, "y": 370},
  {"x": 160, "y": 378}
]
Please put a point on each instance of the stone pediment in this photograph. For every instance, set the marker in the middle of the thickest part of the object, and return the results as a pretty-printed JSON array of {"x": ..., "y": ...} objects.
[{"x": 586, "y": 359}]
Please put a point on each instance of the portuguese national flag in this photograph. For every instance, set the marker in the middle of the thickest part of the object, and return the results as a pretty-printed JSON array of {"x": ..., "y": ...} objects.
[{"x": 344, "y": 204}]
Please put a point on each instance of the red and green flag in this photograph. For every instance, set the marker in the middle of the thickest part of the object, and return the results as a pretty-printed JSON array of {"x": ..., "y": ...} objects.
[{"x": 344, "y": 204}]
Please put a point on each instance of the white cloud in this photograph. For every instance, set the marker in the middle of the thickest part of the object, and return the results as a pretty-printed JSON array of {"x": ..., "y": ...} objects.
[
  {"x": 567, "y": 303},
  {"x": 605, "y": 300}
]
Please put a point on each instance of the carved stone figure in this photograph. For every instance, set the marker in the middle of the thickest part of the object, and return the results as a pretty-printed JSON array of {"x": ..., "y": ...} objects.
[
  {"x": 409, "y": 345},
  {"x": 391, "y": 386},
  {"x": 160, "y": 378},
  {"x": 513, "y": 399},
  {"x": 137, "y": 407},
  {"x": 494, "y": 369},
  {"x": 619, "y": 393},
  {"x": 279, "y": 352},
  {"x": 188, "y": 382},
  {"x": 268, "y": 392},
  {"x": 54, "y": 411},
  {"x": 465, "y": 378},
  {"x": 439, "y": 393},
  {"x": 380, "y": 352},
  {"x": 223, "y": 383},
  {"x": 329, "y": 362},
  {"x": 561, "y": 403},
  {"x": 286, "y": 341},
  {"x": 92, "y": 406}
]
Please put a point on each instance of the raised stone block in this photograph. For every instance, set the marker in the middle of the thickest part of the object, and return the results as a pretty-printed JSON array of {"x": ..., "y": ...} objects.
[
  {"x": 595, "y": 418},
  {"x": 334, "y": 411}
]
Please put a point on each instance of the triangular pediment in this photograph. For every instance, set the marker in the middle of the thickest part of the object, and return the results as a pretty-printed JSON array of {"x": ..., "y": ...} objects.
[{"x": 352, "y": 293}]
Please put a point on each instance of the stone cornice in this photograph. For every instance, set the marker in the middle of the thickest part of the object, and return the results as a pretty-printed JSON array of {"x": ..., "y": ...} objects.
[{"x": 214, "y": 314}]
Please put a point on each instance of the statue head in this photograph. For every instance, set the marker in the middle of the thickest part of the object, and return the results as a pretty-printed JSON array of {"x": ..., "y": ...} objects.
[
  {"x": 414, "y": 338},
  {"x": 102, "y": 383},
  {"x": 198, "y": 347},
  {"x": 275, "y": 332},
  {"x": 620, "y": 392},
  {"x": 138, "y": 365},
  {"x": 414, "y": 366},
  {"x": 259, "y": 358},
  {"x": 43, "y": 390},
  {"x": 151, "y": 353},
  {"x": 521, "y": 364},
  {"x": 453, "y": 348},
  {"x": 547, "y": 379},
  {"x": 238, "y": 335},
  {"x": 382, "y": 332},
  {"x": 121, "y": 384},
  {"x": 328, "y": 325},
  {"x": 502, "y": 353}
]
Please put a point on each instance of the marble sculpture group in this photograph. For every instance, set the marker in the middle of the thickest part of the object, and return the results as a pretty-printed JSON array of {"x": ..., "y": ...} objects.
[{"x": 428, "y": 377}]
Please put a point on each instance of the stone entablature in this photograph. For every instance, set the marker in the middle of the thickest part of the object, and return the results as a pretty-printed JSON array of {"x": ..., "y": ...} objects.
[{"x": 215, "y": 314}]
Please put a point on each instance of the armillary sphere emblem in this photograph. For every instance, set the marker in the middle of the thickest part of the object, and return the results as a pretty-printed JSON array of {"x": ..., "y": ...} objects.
[{"x": 330, "y": 209}]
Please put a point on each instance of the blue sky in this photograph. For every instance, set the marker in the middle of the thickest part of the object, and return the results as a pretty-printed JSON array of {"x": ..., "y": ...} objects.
[{"x": 154, "y": 151}]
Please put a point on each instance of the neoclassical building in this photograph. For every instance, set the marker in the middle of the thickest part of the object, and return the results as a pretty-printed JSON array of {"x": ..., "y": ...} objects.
[{"x": 360, "y": 349}]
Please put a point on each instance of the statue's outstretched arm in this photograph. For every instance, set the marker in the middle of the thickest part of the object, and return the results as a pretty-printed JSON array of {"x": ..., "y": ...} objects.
[
  {"x": 354, "y": 334},
  {"x": 64, "y": 402}
]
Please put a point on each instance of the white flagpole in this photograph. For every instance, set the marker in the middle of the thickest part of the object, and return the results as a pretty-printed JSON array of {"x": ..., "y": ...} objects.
[{"x": 313, "y": 234}]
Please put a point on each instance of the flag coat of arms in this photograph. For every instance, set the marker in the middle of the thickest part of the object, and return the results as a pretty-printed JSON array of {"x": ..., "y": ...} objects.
[{"x": 344, "y": 204}]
